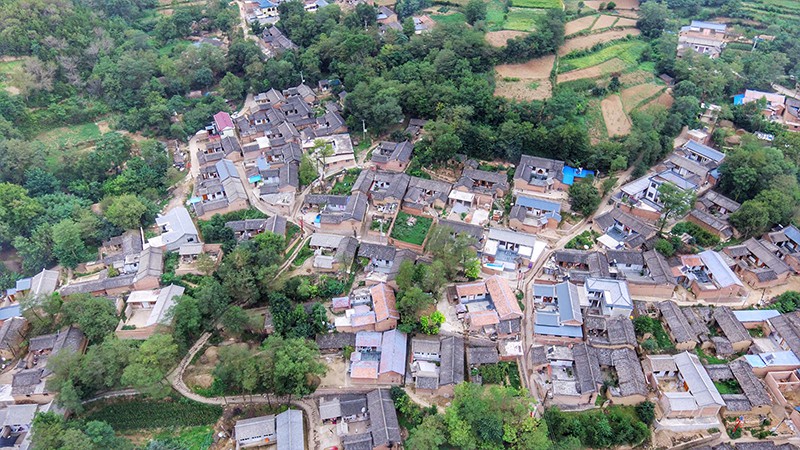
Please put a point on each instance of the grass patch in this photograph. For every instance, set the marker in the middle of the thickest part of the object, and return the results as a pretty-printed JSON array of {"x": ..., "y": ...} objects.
[
  {"x": 533, "y": 86},
  {"x": 503, "y": 373},
  {"x": 344, "y": 186},
  {"x": 520, "y": 19},
  {"x": 302, "y": 256},
  {"x": 659, "y": 341},
  {"x": 147, "y": 414},
  {"x": 449, "y": 18},
  {"x": 411, "y": 229},
  {"x": 728, "y": 387},
  {"x": 495, "y": 15},
  {"x": 192, "y": 438},
  {"x": 71, "y": 136},
  {"x": 628, "y": 51},
  {"x": 546, "y": 4},
  {"x": 6, "y": 69},
  {"x": 709, "y": 359},
  {"x": 583, "y": 240}
]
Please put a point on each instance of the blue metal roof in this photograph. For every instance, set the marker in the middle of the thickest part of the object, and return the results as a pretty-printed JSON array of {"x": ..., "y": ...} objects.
[
  {"x": 10, "y": 311},
  {"x": 566, "y": 331},
  {"x": 792, "y": 233},
  {"x": 755, "y": 315},
  {"x": 785, "y": 358},
  {"x": 226, "y": 169},
  {"x": 709, "y": 25},
  {"x": 23, "y": 284},
  {"x": 263, "y": 4},
  {"x": 544, "y": 205},
  {"x": 262, "y": 163},
  {"x": 704, "y": 150}
]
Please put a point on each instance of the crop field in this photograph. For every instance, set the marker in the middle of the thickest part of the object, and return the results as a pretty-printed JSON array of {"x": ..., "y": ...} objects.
[
  {"x": 495, "y": 15},
  {"x": 546, "y": 4},
  {"x": 624, "y": 22},
  {"x": 665, "y": 100},
  {"x": 604, "y": 21},
  {"x": 602, "y": 69},
  {"x": 621, "y": 4},
  {"x": 588, "y": 41},
  {"x": 411, "y": 229},
  {"x": 72, "y": 136},
  {"x": 628, "y": 52},
  {"x": 617, "y": 122},
  {"x": 523, "y": 89},
  {"x": 500, "y": 38},
  {"x": 521, "y": 19},
  {"x": 147, "y": 414},
  {"x": 534, "y": 69},
  {"x": 634, "y": 96},
  {"x": 577, "y": 25},
  {"x": 455, "y": 17}
]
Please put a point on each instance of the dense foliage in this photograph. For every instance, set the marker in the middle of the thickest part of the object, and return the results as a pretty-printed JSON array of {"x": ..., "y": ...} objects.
[{"x": 597, "y": 428}]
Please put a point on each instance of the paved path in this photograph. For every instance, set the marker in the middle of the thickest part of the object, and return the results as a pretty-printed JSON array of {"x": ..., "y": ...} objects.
[{"x": 794, "y": 93}]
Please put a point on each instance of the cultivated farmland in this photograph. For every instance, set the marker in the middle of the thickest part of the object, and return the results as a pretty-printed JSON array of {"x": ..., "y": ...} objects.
[
  {"x": 547, "y": 4},
  {"x": 621, "y": 4},
  {"x": 617, "y": 122},
  {"x": 605, "y": 68},
  {"x": 588, "y": 41},
  {"x": 628, "y": 51},
  {"x": 579, "y": 25},
  {"x": 604, "y": 21},
  {"x": 526, "y": 81},
  {"x": 534, "y": 69},
  {"x": 500, "y": 38},
  {"x": 634, "y": 96}
]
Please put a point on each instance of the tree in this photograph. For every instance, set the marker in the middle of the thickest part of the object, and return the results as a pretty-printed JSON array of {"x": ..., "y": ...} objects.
[
  {"x": 68, "y": 247},
  {"x": 232, "y": 86},
  {"x": 665, "y": 247},
  {"x": 653, "y": 18},
  {"x": 126, "y": 211},
  {"x": 205, "y": 264},
  {"x": 412, "y": 302},
  {"x": 675, "y": 202},
  {"x": 429, "y": 435},
  {"x": 17, "y": 212},
  {"x": 475, "y": 11},
  {"x": 751, "y": 219},
  {"x": 646, "y": 412},
  {"x": 430, "y": 324},
  {"x": 584, "y": 197},
  {"x": 235, "y": 320},
  {"x": 149, "y": 366},
  {"x": 187, "y": 321},
  {"x": 296, "y": 362},
  {"x": 95, "y": 316},
  {"x": 308, "y": 171},
  {"x": 611, "y": 5}
]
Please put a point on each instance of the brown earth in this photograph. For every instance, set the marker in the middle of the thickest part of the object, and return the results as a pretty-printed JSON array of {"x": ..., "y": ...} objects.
[
  {"x": 578, "y": 25},
  {"x": 604, "y": 21},
  {"x": 538, "y": 68},
  {"x": 612, "y": 65},
  {"x": 636, "y": 77},
  {"x": 617, "y": 122},
  {"x": 521, "y": 90},
  {"x": 621, "y": 4},
  {"x": 633, "y": 96},
  {"x": 585, "y": 42},
  {"x": 499, "y": 38},
  {"x": 624, "y": 22},
  {"x": 665, "y": 100}
]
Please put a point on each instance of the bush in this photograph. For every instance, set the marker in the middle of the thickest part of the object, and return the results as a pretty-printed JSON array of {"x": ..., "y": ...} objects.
[
  {"x": 702, "y": 237},
  {"x": 787, "y": 302},
  {"x": 665, "y": 247},
  {"x": 646, "y": 412}
]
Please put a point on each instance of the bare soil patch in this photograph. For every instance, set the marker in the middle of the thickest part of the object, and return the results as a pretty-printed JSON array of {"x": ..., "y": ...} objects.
[
  {"x": 636, "y": 77},
  {"x": 625, "y": 22},
  {"x": 103, "y": 126},
  {"x": 578, "y": 25},
  {"x": 612, "y": 65},
  {"x": 538, "y": 68},
  {"x": 665, "y": 100},
  {"x": 633, "y": 96},
  {"x": 500, "y": 38},
  {"x": 521, "y": 90},
  {"x": 617, "y": 122},
  {"x": 584, "y": 42},
  {"x": 604, "y": 21},
  {"x": 622, "y": 4}
]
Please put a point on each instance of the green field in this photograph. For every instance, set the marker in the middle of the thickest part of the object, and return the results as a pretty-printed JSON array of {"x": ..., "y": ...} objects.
[
  {"x": 192, "y": 438},
  {"x": 628, "y": 51},
  {"x": 520, "y": 19},
  {"x": 413, "y": 234},
  {"x": 71, "y": 136},
  {"x": 547, "y": 4},
  {"x": 6, "y": 68},
  {"x": 495, "y": 15},
  {"x": 449, "y": 18},
  {"x": 149, "y": 414}
]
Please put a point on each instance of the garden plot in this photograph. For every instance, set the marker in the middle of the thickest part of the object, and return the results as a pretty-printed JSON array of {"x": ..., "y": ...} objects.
[
  {"x": 579, "y": 25},
  {"x": 547, "y": 4},
  {"x": 634, "y": 96},
  {"x": 586, "y": 42},
  {"x": 604, "y": 21},
  {"x": 602, "y": 69},
  {"x": 537, "y": 68},
  {"x": 523, "y": 19},
  {"x": 523, "y": 89},
  {"x": 617, "y": 122},
  {"x": 625, "y": 22},
  {"x": 500, "y": 38},
  {"x": 628, "y": 52},
  {"x": 526, "y": 81},
  {"x": 665, "y": 100}
]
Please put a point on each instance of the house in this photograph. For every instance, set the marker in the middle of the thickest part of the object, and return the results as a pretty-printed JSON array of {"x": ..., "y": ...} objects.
[
  {"x": 539, "y": 174},
  {"x": 425, "y": 196},
  {"x": 378, "y": 358},
  {"x": 29, "y": 384},
  {"x": 385, "y": 189},
  {"x": 245, "y": 229},
  {"x": 708, "y": 276},
  {"x": 622, "y": 230},
  {"x": 712, "y": 211},
  {"x": 754, "y": 399},
  {"x": 558, "y": 316},
  {"x": 274, "y": 180},
  {"x": 479, "y": 354},
  {"x": 328, "y": 124},
  {"x": 630, "y": 386},
  {"x": 577, "y": 265},
  {"x": 787, "y": 240},
  {"x": 384, "y": 261},
  {"x": 415, "y": 127},
  {"x": 372, "y": 309},
  {"x": 451, "y": 365},
  {"x": 218, "y": 190},
  {"x": 479, "y": 188},
  {"x": 142, "y": 271},
  {"x": 608, "y": 297},
  {"x": 114, "y": 251},
  {"x": 301, "y": 92},
  {"x": 332, "y": 253},
  {"x": 642, "y": 196},
  {"x": 43, "y": 284},
  {"x": 574, "y": 375},
  {"x": 145, "y": 311},
  {"x": 392, "y": 156},
  {"x": 533, "y": 215},
  {"x": 757, "y": 262},
  {"x": 474, "y": 232},
  {"x": 732, "y": 329},
  {"x": 267, "y": 8},
  {"x": 678, "y": 326},
  {"x": 685, "y": 390},
  {"x": 506, "y": 252},
  {"x": 223, "y": 124},
  {"x": 339, "y": 214},
  {"x": 704, "y": 156},
  {"x": 704, "y": 38},
  {"x": 342, "y": 156},
  {"x": 385, "y": 15},
  {"x": 610, "y": 332},
  {"x": 276, "y": 42},
  {"x": 176, "y": 228},
  {"x": 346, "y": 407},
  {"x": 647, "y": 273},
  {"x": 286, "y": 430},
  {"x": 313, "y": 6},
  {"x": 333, "y": 342},
  {"x": 491, "y": 307},
  {"x": 383, "y": 423},
  {"x": 12, "y": 335}
]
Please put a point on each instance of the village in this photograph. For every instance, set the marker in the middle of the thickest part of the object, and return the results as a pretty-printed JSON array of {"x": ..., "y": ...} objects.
[{"x": 654, "y": 296}]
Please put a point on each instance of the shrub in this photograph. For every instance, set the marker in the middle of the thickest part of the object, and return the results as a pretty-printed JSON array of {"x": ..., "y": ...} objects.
[
  {"x": 646, "y": 412},
  {"x": 665, "y": 247}
]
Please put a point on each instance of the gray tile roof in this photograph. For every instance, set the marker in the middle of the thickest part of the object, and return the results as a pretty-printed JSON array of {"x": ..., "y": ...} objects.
[
  {"x": 451, "y": 368},
  {"x": 393, "y": 352},
  {"x": 361, "y": 441},
  {"x": 384, "y": 426},
  {"x": 289, "y": 432},
  {"x": 678, "y": 325},
  {"x": 587, "y": 368},
  {"x": 392, "y": 151},
  {"x": 752, "y": 387},
  {"x": 731, "y": 327},
  {"x": 477, "y": 356},
  {"x": 335, "y": 341},
  {"x": 528, "y": 165}
]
